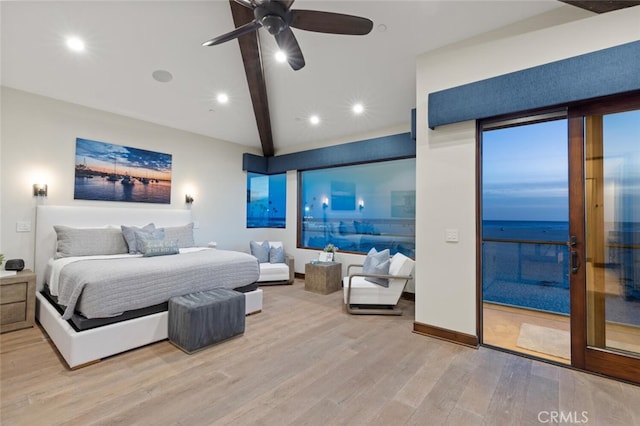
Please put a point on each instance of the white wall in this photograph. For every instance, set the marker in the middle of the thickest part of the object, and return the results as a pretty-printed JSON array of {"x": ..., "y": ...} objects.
[
  {"x": 446, "y": 160},
  {"x": 38, "y": 144}
]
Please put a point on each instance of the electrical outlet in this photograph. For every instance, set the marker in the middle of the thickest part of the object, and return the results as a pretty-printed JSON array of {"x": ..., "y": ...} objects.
[
  {"x": 451, "y": 235},
  {"x": 23, "y": 226}
]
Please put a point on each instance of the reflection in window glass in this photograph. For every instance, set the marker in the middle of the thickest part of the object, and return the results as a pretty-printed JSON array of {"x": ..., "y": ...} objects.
[
  {"x": 266, "y": 200},
  {"x": 360, "y": 207}
]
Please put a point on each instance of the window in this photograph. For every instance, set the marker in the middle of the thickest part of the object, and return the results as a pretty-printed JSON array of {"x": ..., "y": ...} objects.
[
  {"x": 359, "y": 207},
  {"x": 266, "y": 200}
]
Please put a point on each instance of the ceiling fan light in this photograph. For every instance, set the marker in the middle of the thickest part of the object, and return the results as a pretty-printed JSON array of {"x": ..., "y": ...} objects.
[
  {"x": 75, "y": 44},
  {"x": 281, "y": 56}
]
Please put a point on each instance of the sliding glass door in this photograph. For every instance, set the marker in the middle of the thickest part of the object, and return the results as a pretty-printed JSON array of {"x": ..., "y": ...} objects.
[{"x": 605, "y": 223}]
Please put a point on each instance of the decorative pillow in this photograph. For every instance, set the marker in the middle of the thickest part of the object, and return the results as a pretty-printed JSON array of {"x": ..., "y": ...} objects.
[
  {"x": 377, "y": 262},
  {"x": 130, "y": 236},
  {"x": 182, "y": 234},
  {"x": 381, "y": 269},
  {"x": 142, "y": 236},
  {"x": 260, "y": 251},
  {"x": 89, "y": 241},
  {"x": 159, "y": 247},
  {"x": 276, "y": 254}
]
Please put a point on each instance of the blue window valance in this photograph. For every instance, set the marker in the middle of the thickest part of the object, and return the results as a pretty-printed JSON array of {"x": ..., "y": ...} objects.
[{"x": 600, "y": 73}]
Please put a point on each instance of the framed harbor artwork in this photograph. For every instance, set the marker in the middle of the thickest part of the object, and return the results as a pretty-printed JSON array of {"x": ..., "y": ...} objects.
[{"x": 109, "y": 172}]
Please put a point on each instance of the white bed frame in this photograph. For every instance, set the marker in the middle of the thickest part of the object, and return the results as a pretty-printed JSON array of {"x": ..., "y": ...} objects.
[{"x": 84, "y": 347}]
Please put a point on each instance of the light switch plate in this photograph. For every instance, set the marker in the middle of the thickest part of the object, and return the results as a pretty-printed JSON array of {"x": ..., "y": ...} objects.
[
  {"x": 23, "y": 226},
  {"x": 451, "y": 235}
]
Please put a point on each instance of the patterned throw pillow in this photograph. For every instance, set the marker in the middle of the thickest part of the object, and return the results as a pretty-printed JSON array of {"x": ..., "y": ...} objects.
[
  {"x": 159, "y": 247},
  {"x": 142, "y": 236}
]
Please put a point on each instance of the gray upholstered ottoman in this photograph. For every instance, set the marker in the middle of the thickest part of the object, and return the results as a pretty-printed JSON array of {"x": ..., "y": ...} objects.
[{"x": 198, "y": 320}]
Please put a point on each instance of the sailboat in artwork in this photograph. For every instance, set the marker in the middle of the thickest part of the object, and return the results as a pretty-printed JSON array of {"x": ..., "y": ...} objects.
[{"x": 113, "y": 177}]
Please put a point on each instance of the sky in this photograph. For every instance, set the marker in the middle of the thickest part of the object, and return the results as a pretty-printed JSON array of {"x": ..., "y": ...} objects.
[
  {"x": 137, "y": 162},
  {"x": 525, "y": 168}
]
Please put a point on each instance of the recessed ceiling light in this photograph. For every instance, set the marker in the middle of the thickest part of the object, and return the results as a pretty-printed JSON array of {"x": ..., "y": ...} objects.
[
  {"x": 162, "y": 76},
  {"x": 222, "y": 98},
  {"x": 314, "y": 119},
  {"x": 358, "y": 108},
  {"x": 281, "y": 56},
  {"x": 75, "y": 44}
]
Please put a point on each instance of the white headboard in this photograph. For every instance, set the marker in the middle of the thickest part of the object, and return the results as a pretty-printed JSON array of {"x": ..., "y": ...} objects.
[{"x": 87, "y": 217}]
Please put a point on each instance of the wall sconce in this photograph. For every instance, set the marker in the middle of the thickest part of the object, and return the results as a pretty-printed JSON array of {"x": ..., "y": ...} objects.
[
  {"x": 360, "y": 205},
  {"x": 325, "y": 202},
  {"x": 39, "y": 189},
  {"x": 188, "y": 199}
]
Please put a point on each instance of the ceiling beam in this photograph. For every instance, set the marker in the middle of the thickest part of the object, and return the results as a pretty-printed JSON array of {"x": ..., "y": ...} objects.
[
  {"x": 599, "y": 6},
  {"x": 252, "y": 59}
]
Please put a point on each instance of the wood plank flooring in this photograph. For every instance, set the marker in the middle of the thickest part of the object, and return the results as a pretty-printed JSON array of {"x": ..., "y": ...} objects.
[{"x": 302, "y": 360}]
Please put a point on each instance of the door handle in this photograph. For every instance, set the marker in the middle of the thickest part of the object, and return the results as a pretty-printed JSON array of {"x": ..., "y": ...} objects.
[{"x": 575, "y": 262}]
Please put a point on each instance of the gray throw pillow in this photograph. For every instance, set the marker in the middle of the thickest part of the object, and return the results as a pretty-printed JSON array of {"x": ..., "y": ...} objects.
[
  {"x": 89, "y": 241},
  {"x": 276, "y": 254},
  {"x": 182, "y": 234},
  {"x": 260, "y": 251},
  {"x": 130, "y": 236},
  {"x": 377, "y": 262},
  {"x": 159, "y": 247},
  {"x": 142, "y": 236}
]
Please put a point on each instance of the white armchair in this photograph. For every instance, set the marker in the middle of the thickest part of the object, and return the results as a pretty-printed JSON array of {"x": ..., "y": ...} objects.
[
  {"x": 273, "y": 271},
  {"x": 365, "y": 298}
]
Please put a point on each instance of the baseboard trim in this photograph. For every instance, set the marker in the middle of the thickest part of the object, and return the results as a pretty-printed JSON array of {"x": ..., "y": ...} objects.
[
  {"x": 445, "y": 334},
  {"x": 299, "y": 275}
]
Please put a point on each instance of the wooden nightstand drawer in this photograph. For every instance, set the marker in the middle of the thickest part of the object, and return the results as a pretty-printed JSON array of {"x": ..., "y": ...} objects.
[
  {"x": 13, "y": 293},
  {"x": 13, "y": 312},
  {"x": 17, "y": 301}
]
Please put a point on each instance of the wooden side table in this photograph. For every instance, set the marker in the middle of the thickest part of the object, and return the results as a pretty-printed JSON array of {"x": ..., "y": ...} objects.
[
  {"x": 323, "y": 278},
  {"x": 17, "y": 301}
]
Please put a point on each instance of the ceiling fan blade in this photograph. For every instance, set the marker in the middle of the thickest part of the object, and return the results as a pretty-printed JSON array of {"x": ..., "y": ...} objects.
[
  {"x": 329, "y": 22},
  {"x": 246, "y": 3},
  {"x": 287, "y": 43},
  {"x": 238, "y": 32},
  {"x": 286, "y": 3}
]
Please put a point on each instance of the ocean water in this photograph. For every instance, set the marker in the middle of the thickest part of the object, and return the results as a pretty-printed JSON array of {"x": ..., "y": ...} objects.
[
  {"x": 532, "y": 270},
  {"x": 99, "y": 188}
]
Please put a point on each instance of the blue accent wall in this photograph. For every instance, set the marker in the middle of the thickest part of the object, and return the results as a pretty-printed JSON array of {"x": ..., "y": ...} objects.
[
  {"x": 604, "y": 72},
  {"x": 378, "y": 149}
]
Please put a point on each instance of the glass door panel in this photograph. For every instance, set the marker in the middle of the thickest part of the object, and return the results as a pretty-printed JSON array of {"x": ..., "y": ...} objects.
[
  {"x": 612, "y": 243},
  {"x": 525, "y": 228}
]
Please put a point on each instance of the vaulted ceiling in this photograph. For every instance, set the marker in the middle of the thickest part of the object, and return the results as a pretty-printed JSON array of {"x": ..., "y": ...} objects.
[{"x": 269, "y": 104}]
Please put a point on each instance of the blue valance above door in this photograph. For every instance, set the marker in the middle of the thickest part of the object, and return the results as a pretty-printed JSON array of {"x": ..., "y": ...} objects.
[{"x": 600, "y": 73}]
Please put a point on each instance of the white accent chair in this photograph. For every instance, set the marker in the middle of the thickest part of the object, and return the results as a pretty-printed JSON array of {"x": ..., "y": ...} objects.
[
  {"x": 366, "y": 298},
  {"x": 277, "y": 273}
]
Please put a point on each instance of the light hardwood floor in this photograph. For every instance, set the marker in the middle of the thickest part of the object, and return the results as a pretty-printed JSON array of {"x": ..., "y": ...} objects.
[{"x": 303, "y": 360}]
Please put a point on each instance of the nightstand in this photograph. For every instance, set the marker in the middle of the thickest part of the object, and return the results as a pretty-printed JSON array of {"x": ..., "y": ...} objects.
[{"x": 17, "y": 301}]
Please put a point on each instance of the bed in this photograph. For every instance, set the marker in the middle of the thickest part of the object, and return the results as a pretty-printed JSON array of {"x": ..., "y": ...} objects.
[{"x": 145, "y": 316}]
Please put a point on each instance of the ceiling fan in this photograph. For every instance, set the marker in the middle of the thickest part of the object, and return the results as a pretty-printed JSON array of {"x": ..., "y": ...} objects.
[{"x": 278, "y": 18}]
